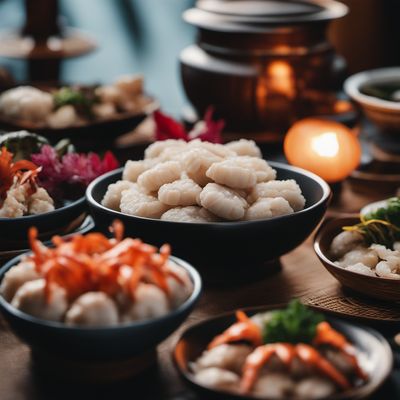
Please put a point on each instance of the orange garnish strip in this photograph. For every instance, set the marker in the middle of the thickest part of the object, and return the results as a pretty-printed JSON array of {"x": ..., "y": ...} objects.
[{"x": 96, "y": 263}]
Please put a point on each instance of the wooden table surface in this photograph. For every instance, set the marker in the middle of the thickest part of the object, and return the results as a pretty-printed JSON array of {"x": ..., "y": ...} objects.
[{"x": 301, "y": 275}]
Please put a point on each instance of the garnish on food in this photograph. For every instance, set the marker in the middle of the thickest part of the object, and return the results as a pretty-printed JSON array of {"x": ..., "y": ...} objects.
[
  {"x": 266, "y": 357},
  {"x": 19, "y": 192},
  {"x": 206, "y": 130},
  {"x": 73, "y": 105},
  {"x": 91, "y": 280},
  {"x": 372, "y": 246},
  {"x": 68, "y": 174}
]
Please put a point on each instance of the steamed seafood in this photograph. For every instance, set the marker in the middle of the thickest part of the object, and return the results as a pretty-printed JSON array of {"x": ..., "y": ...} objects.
[
  {"x": 203, "y": 182},
  {"x": 371, "y": 247},
  {"x": 291, "y": 353},
  {"x": 95, "y": 281},
  {"x": 73, "y": 105}
]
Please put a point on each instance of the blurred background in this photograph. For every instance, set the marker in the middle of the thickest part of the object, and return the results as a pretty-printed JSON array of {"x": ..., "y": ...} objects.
[{"x": 147, "y": 36}]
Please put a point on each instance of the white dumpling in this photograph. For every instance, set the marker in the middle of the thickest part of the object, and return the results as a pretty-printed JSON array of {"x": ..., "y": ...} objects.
[
  {"x": 360, "y": 254},
  {"x": 64, "y": 117},
  {"x": 218, "y": 379},
  {"x": 179, "y": 290},
  {"x": 263, "y": 170},
  {"x": 31, "y": 299},
  {"x": 360, "y": 268},
  {"x": 315, "y": 387},
  {"x": 150, "y": 302},
  {"x": 287, "y": 189},
  {"x": 225, "y": 356},
  {"x": 244, "y": 147},
  {"x": 156, "y": 148},
  {"x": 383, "y": 252},
  {"x": 15, "y": 203},
  {"x": 135, "y": 202},
  {"x": 217, "y": 149},
  {"x": 183, "y": 192},
  {"x": 92, "y": 309},
  {"x": 344, "y": 242},
  {"x": 166, "y": 172},
  {"x": 40, "y": 202},
  {"x": 385, "y": 269},
  {"x": 223, "y": 202},
  {"x": 268, "y": 208},
  {"x": 112, "y": 198},
  {"x": 133, "y": 169},
  {"x": 15, "y": 277},
  {"x": 196, "y": 162},
  {"x": 232, "y": 174},
  {"x": 26, "y": 103},
  {"x": 192, "y": 214},
  {"x": 273, "y": 385}
]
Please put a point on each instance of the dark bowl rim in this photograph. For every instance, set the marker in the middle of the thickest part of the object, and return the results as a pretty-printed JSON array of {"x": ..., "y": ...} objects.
[
  {"x": 322, "y": 232},
  {"x": 33, "y": 218},
  {"x": 360, "y": 391},
  {"x": 189, "y": 302},
  {"x": 326, "y": 193}
]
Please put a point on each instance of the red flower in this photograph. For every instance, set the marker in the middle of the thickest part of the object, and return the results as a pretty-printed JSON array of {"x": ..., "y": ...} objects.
[{"x": 207, "y": 130}]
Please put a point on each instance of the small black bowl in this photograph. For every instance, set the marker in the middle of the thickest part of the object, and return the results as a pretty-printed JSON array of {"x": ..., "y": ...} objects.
[
  {"x": 374, "y": 351},
  {"x": 224, "y": 250},
  {"x": 108, "y": 353},
  {"x": 14, "y": 231}
]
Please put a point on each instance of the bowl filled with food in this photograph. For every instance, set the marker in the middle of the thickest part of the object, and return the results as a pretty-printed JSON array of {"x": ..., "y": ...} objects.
[
  {"x": 80, "y": 112},
  {"x": 92, "y": 301},
  {"x": 282, "y": 353},
  {"x": 43, "y": 186},
  {"x": 378, "y": 93},
  {"x": 363, "y": 252},
  {"x": 218, "y": 205}
]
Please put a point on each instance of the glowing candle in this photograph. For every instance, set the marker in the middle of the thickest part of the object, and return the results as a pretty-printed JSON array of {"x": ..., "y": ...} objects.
[{"x": 327, "y": 148}]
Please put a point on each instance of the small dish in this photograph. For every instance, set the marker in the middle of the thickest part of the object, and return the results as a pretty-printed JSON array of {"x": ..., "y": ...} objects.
[
  {"x": 224, "y": 250},
  {"x": 375, "y": 287},
  {"x": 14, "y": 231},
  {"x": 96, "y": 354},
  {"x": 384, "y": 113},
  {"x": 377, "y": 360}
]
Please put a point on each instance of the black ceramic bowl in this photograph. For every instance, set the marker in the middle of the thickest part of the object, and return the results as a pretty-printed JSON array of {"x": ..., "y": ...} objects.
[
  {"x": 113, "y": 347},
  {"x": 14, "y": 231},
  {"x": 374, "y": 353},
  {"x": 228, "y": 247}
]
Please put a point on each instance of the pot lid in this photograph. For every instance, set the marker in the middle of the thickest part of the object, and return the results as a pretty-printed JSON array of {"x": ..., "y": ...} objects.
[{"x": 259, "y": 15}]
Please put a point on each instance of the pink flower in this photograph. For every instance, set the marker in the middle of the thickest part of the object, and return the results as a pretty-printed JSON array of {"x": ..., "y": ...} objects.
[{"x": 72, "y": 169}]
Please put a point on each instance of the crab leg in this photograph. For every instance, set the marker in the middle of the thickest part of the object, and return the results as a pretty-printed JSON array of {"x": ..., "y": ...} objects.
[
  {"x": 327, "y": 335},
  {"x": 244, "y": 329},
  {"x": 312, "y": 357},
  {"x": 255, "y": 361}
]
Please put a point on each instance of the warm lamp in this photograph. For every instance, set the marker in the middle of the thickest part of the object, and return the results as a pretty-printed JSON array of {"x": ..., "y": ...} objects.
[{"x": 327, "y": 148}]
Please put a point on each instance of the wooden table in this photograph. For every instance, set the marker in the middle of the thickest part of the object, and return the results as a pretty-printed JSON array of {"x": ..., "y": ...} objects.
[{"x": 301, "y": 275}]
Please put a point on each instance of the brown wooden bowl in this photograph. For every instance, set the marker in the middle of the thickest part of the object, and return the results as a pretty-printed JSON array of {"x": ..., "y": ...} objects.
[{"x": 376, "y": 287}]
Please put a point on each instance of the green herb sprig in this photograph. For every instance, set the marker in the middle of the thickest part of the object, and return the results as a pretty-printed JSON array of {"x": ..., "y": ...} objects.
[{"x": 295, "y": 324}]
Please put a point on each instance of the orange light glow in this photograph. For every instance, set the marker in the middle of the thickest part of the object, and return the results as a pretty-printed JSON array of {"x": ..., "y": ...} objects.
[
  {"x": 327, "y": 148},
  {"x": 281, "y": 78}
]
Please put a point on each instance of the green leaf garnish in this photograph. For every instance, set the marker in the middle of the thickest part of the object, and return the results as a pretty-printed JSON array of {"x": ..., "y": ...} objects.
[{"x": 295, "y": 324}]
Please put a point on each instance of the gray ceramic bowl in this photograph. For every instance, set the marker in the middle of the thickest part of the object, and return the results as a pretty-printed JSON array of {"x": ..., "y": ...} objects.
[{"x": 384, "y": 113}]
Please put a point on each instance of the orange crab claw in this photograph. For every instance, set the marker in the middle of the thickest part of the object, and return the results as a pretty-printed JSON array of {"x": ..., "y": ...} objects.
[
  {"x": 255, "y": 361},
  {"x": 245, "y": 329},
  {"x": 327, "y": 335},
  {"x": 312, "y": 357}
]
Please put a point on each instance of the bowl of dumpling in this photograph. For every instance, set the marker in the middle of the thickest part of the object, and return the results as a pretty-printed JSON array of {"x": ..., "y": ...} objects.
[
  {"x": 221, "y": 206},
  {"x": 80, "y": 112},
  {"x": 363, "y": 252},
  {"x": 96, "y": 306}
]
